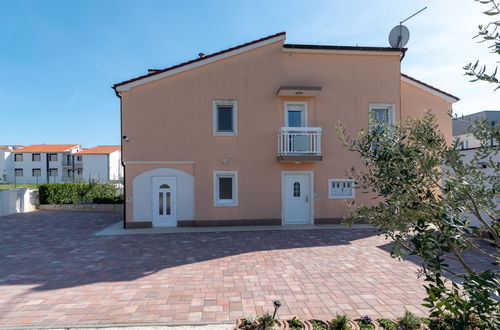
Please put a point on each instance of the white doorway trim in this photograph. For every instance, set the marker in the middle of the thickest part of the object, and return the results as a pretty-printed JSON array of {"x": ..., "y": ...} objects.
[{"x": 310, "y": 174}]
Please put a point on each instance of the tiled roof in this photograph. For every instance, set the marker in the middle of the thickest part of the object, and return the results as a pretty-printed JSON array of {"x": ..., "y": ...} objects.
[
  {"x": 429, "y": 86},
  {"x": 48, "y": 148},
  {"x": 154, "y": 71},
  {"x": 99, "y": 150}
]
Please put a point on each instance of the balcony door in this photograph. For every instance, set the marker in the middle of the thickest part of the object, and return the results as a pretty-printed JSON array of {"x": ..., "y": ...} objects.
[{"x": 295, "y": 114}]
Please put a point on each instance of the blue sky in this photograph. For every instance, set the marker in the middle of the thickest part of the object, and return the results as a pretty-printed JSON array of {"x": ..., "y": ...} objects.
[{"x": 59, "y": 59}]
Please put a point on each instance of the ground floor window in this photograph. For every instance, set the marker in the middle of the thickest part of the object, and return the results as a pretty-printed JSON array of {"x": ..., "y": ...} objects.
[
  {"x": 53, "y": 172},
  {"x": 340, "y": 188},
  {"x": 18, "y": 172},
  {"x": 225, "y": 188},
  {"x": 36, "y": 172}
]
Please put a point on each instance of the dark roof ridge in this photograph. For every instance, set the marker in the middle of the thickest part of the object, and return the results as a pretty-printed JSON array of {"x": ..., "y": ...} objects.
[{"x": 338, "y": 47}]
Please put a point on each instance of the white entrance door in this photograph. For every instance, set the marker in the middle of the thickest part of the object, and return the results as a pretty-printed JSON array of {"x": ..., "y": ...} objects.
[
  {"x": 164, "y": 202},
  {"x": 297, "y": 199}
]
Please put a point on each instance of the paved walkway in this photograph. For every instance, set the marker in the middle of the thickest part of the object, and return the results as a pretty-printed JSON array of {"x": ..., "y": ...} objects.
[{"x": 54, "y": 271}]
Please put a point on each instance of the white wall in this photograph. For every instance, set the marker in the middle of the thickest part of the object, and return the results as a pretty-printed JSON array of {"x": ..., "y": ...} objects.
[
  {"x": 142, "y": 191},
  {"x": 115, "y": 166},
  {"x": 103, "y": 168},
  {"x": 468, "y": 156},
  {"x": 4, "y": 166},
  {"x": 17, "y": 200},
  {"x": 469, "y": 140},
  {"x": 95, "y": 167}
]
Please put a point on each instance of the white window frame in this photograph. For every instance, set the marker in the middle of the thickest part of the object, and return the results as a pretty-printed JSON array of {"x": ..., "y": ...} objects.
[
  {"x": 391, "y": 107},
  {"x": 215, "y": 118},
  {"x": 331, "y": 196},
  {"x": 225, "y": 174},
  {"x": 304, "y": 117}
]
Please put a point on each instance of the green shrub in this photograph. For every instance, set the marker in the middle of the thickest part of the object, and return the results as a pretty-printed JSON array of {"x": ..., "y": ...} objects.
[
  {"x": 108, "y": 200},
  {"x": 409, "y": 321},
  {"x": 267, "y": 321},
  {"x": 387, "y": 324},
  {"x": 295, "y": 324},
  {"x": 340, "y": 322},
  {"x": 76, "y": 193}
]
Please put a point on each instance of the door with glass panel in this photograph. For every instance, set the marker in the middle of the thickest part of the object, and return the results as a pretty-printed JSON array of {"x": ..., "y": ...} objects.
[{"x": 164, "y": 201}]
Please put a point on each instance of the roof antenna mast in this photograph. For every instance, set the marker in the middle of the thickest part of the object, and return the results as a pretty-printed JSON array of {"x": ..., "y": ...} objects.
[{"x": 399, "y": 36}]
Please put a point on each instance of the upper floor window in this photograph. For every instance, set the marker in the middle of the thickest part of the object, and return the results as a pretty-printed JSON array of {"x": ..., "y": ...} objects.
[
  {"x": 18, "y": 157},
  {"x": 225, "y": 118},
  {"x": 35, "y": 157},
  {"x": 53, "y": 157},
  {"x": 295, "y": 114},
  {"x": 381, "y": 114},
  {"x": 79, "y": 158}
]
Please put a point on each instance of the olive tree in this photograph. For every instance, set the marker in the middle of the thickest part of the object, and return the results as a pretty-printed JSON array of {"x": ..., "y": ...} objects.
[
  {"x": 436, "y": 206},
  {"x": 490, "y": 34}
]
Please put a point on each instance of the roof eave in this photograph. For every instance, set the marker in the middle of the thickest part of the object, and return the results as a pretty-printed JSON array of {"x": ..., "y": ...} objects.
[{"x": 430, "y": 89}]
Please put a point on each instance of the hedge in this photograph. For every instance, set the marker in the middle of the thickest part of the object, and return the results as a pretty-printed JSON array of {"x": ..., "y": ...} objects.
[{"x": 75, "y": 193}]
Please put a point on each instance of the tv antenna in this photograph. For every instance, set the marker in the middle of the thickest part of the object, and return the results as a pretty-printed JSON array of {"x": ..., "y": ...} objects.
[{"x": 399, "y": 36}]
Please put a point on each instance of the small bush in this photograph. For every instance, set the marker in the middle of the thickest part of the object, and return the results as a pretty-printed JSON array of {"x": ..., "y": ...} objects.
[
  {"x": 387, "y": 324},
  {"x": 267, "y": 321},
  {"x": 295, "y": 324},
  {"x": 107, "y": 200},
  {"x": 76, "y": 193},
  {"x": 409, "y": 321},
  {"x": 340, "y": 322}
]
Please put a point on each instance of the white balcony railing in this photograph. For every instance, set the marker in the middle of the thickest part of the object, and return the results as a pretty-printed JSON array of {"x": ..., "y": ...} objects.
[{"x": 299, "y": 141}]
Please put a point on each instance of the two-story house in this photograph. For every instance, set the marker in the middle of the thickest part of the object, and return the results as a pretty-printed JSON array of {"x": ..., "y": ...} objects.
[
  {"x": 247, "y": 135},
  {"x": 100, "y": 163},
  {"x": 43, "y": 163}
]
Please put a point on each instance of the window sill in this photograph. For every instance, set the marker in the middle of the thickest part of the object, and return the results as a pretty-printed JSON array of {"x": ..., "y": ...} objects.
[
  {"x": 225, "y": 134},
  {"x": 341, "y": 197},
  {"x": 229, "y": 203}
]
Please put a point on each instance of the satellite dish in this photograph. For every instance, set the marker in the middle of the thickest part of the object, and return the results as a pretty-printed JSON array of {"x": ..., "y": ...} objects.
[{"x": 399, "y": 36}]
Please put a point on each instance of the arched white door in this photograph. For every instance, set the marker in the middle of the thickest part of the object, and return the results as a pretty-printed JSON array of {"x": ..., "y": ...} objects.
[{"x": 164, "y": 202}]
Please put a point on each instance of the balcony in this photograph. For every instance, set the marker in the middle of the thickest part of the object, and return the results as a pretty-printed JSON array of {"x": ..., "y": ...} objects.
[{"x": 299, "y": 144}]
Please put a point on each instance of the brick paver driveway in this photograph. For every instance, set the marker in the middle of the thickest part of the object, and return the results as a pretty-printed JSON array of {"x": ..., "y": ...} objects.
[{"x": 54, "y": 272}]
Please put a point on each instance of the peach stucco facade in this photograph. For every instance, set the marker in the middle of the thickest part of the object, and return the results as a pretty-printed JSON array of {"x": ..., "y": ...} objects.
[{"x": 168, "y": 125}]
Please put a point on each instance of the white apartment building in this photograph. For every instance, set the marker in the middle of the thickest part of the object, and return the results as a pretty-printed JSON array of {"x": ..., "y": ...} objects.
[
  {"x": 101, "y": 163},
  {"x": 42, "y": 163},
  {"x": 5, "y": 161},
  {"x": 462, "y": 124}
]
